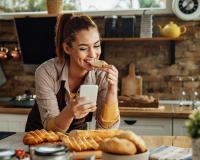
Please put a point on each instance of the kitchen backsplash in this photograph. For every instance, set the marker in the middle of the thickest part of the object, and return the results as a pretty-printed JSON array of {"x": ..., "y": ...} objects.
[{"x": 151, "y": 59}]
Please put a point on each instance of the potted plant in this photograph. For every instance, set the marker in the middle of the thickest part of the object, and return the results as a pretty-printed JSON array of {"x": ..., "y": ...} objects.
[{"x": 193, "y": 126}]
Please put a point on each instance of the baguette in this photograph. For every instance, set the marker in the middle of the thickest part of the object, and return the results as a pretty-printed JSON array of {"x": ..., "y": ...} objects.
[
  {"x": 76, "y": 143},
  {"x": 96, "y": 134},
  {"x": 40, "y": 136}
]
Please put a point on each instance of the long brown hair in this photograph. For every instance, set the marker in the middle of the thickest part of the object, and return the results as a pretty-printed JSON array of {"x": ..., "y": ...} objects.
[{"x": 66, "y": 30}]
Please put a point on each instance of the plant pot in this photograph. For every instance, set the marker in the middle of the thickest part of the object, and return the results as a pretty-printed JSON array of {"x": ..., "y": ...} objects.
[
  {"x": 196, "y": 149},
  {"x": 54, "y": 6}
]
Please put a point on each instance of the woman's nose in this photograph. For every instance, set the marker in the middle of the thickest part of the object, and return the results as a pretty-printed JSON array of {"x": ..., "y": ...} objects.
[{"x": 92, "y": 53}]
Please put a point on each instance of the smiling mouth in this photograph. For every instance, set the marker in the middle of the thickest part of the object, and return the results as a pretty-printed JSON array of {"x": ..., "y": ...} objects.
[{"x": 88, "y": 62}]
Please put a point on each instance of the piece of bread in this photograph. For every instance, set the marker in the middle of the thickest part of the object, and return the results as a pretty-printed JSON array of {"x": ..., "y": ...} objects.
[
  {"x": 96, "y": 134},
  {"x": 118, "y": 146},
  {"x": 98, "y": 63},
  {"x": 40, "y": 136},
  {"x": 76, "y": 143},
  {"x": 137, "y": 140}
]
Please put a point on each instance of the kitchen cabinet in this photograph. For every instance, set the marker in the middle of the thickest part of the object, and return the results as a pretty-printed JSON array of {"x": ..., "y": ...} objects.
[
  {"x": 147, "y": 126},
  {"x": 151, "y": 126},
  {"x": 172, "y": 43},
  {"x": 179, "y": 128},
  {"x": 13, "y": 122}
]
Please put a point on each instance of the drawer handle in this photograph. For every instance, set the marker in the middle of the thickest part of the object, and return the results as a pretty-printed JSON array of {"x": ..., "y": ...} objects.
[{"x": 130, "y": 122}]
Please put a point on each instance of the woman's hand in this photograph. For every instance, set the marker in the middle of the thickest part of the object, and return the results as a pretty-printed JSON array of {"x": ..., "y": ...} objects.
[
  {"x": 112, "y": 76},
  {"x": 81, "y": 106}
]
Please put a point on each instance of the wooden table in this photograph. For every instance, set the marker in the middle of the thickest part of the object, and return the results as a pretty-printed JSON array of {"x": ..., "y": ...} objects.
[{"x": 161, "y": 112}]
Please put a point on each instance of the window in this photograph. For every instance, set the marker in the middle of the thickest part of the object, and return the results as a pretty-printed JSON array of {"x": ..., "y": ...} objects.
[
  {"x": 7, "y": 6},
  {"x": 120, "y": 4},
  {"x": 10, "y": 8}
]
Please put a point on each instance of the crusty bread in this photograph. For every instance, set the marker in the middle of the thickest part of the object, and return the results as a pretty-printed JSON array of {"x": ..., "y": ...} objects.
[
  {"x": 40, "y": 136},
  {"x": 96, "y": 134},
  {"x": 98, "y": 63},
  {"x": 137, "y": 140},
  {"x": 118, "y": 146},
  {"x": 77, "y": 143},
  {"x": 112, "y": 141}
]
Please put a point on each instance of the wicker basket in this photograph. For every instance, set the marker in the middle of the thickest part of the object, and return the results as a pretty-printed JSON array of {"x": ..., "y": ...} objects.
[{"x": 54, "y": 6}]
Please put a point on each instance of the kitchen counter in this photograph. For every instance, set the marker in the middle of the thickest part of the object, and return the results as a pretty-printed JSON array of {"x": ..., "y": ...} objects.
[{"x": 161, "y": 112}]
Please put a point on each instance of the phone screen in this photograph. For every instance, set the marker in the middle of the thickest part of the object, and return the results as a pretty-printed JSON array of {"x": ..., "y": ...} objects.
[{"x": 89, "y": 91}]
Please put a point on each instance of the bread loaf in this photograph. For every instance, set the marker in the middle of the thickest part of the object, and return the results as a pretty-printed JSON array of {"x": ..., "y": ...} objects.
[
  {"x": 118, "y": 146},
  {"x": 96, "y": 134},
  {"x": 112, "y": 141},
  {"x": 40, "y": 136},
  {"x": 137, "y": 140},
  {"x": 77, "y": 143}
]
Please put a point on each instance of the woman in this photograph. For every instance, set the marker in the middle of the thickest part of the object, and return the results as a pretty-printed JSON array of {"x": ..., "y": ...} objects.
[{"x": 58, "y": 80}]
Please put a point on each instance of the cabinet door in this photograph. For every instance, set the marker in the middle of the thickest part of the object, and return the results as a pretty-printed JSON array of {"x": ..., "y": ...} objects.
[
  {"x": 179, "y": 128},
  {"x": 12, "y": 122},
  {"x": 147, "y": 126}
]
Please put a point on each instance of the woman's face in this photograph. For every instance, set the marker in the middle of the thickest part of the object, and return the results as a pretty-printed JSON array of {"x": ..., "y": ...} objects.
[{"x": 85, "y": 48}]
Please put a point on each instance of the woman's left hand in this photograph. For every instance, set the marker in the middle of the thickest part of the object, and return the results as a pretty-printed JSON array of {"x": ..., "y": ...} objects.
[{"x": 112, "y": 76}]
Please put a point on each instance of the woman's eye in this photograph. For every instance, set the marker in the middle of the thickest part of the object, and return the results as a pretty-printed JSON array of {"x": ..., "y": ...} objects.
[
  {"x": 97, "y": 46},
  {"x": 82, "y": 49}
]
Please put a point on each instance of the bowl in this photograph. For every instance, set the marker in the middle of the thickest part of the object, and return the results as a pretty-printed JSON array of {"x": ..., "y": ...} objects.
[{"x": 140, "y": 156}]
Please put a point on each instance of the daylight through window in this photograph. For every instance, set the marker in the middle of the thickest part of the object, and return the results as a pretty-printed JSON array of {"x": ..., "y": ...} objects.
[{"x": 7, "y": 6}]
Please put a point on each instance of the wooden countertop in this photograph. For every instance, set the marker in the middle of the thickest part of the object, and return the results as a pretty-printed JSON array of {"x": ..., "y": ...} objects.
[
  {"x": 161, "y": 112},
  {"x": 14, "y": 110}
]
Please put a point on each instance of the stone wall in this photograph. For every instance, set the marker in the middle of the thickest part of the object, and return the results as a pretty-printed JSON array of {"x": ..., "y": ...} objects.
[{"x": 150, "y": 57}]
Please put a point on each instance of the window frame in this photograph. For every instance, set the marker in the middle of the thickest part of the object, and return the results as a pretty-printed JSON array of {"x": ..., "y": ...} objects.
[{"x": 167, "y": 10}]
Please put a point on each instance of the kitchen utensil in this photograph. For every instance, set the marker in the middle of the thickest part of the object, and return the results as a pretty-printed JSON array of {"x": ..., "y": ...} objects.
[
  {"x": 111, "y": 26},
  {"x": 172, "y": 30},
  {"x": 146, "y": 27},
  {"x": 131, "y": 84},
  {"x": 50, "y": 152}
]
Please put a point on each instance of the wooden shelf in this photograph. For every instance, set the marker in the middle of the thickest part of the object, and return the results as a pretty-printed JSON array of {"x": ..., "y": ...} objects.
[
  {"x": 172, "y": 42},
  {"x": 141, "y": 39}
]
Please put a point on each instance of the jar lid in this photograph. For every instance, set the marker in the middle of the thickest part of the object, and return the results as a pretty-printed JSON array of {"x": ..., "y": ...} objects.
[
  {"x": 6, "y": 153},
  {"x": 51, "y": 150}
]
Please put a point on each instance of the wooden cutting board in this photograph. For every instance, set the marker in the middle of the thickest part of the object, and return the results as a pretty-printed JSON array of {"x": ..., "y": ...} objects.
[
  {"x": 131, "y": 84},
  {"x": 86, "y": 154}
]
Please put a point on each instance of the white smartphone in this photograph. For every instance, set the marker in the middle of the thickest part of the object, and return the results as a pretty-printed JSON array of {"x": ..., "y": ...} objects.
[{"x": 90, "y": 91}]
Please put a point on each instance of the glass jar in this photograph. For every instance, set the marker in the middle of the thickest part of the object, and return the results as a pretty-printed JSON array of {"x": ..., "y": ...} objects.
[
  {"x": 7, "y": 154},
  {"x": 51, "y": 152}
]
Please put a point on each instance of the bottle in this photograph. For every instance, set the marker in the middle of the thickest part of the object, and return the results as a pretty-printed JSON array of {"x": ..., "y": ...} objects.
[
  {"x": 194, "y": 95},
  {"x": 182, "y": 93},
  {"x": 7, "y": 154},
  {"x": 51, "y": 152}
]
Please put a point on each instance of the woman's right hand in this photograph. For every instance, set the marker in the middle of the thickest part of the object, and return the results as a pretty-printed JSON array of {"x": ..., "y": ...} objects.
[{"x": 81, "y": 106}]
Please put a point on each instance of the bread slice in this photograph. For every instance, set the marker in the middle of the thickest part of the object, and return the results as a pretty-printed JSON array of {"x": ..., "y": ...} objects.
[{"x": 98, "y": 63}]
